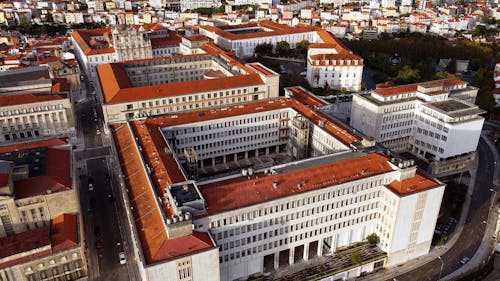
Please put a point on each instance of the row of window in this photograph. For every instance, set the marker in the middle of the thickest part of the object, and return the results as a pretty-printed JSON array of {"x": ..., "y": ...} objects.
[
  {"x": 184, "y": 99},
  {"x": 298, "y": 237},
  {"x": 302, "y": 202}
]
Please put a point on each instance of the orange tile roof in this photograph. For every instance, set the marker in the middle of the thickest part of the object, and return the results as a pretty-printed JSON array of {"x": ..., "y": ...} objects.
[
  {"x": 306, "y": 97},
  {"x": 172, "y": 39},
  {"x": 28, "y": 98},
  {"x": 411, "y": 185},
  {"x": 64, "y": 232},
  {"x": 33, "y": 145},
  {"x": 148, "y": 219},
  {"x": 83, "y": 39},
  {"x": 117, "y": 88},
  {"x": 390, "y": 91},
  {"x": 181, "y": 246},
  {"x": 24, "y": 241},
  {"x": 276, "y": 29},
  {"x": 333, "y": 127},
  {"x": 56, "y": 178},
  {"x": 60, "y": 85},
  {"x": 263, "y": 70},
  {"x": 156, "y": 245},
  {"x": 241, "y": 192}
]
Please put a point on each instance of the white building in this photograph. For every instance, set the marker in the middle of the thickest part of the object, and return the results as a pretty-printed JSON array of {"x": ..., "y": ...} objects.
[
  {"x": 99, "y": 46},
  {"x": 249, "y": 205},
  {"x": 35, "y": 116},
  {"x": 206, "y": 78},
  {"x": 328, "y": 62},
  {"x": 436, "y": 121},
  {"x": 331, "y": 65},
  {"x": 194, "y": 4}
]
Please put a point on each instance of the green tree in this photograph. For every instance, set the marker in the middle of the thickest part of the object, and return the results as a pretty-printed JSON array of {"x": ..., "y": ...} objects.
[
  {"x": 452, "y": 67},
  {"x": 373, "y": 239},
  {"x": 356, "y": 257},
  {"x": 303, "y": 45},
  {"x": 407, "y": 75},
  {"x": 444, "y": 75},
  {"x": 282, "y": 48},
  {"x": 264, "y": 49}
]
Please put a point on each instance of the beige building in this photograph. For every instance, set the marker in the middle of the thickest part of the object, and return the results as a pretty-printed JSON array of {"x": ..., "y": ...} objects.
[
  {"x": 208, "y": 78},
  {"x": 35, "y": 116},
  {"x": 36, "y": 185},
  {"x": 40, "y": 229},
  {"x": 52, "y": 252}
]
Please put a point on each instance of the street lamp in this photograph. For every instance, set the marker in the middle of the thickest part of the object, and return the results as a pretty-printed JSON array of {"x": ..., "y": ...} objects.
[{"x": 442, "y": 264}]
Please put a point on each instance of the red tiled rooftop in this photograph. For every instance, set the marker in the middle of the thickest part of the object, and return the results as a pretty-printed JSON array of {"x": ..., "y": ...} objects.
[
  {"x": 24, "y": 241},
  {"x": 56, "y": 178},
  {"x": 33, "y": 145},
  {"x": 262, "y": 69},
  {"x": 390, "y": 91},
  {"x": 83, "y": 39},
  {"x": 148, "y": 219},
  {"x": 331, "y": 126},
  {"x": 28, "y": 98},
  {"x": 185, "y": 245},
  {"x": 62, "y": 234},
  {"x": 241, "y": 192},
  {"x": 305, "y": 97},
  {"x": 155, "y": 244},
  {"x": 411, "y": 185}
]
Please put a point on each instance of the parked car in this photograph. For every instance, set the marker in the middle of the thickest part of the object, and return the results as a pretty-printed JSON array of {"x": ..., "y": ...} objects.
[
  {"x": 464, "y": 260},
  {"x": 121, "y": 256},
  {"x": 91, "y": 187}
]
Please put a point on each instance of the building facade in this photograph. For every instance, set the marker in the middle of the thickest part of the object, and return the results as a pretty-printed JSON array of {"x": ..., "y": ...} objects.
[
  {"x": 208, "y": 78},
  {"x": 263, "y": 182},
  {"x": 31, "y": 116},
  {"x": 398, "y": 116},
  {"x": 329, "y": 62}
]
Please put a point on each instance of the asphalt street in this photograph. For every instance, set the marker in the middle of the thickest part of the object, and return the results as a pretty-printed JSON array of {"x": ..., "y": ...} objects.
[
  {"x": 472, "y": 235},
  {"x": 102, "y": 226}
]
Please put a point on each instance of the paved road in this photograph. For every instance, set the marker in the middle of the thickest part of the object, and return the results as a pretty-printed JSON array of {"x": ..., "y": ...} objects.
[
  {"x": 472, "y": 235},
  {"x": 99, "y": 211}
]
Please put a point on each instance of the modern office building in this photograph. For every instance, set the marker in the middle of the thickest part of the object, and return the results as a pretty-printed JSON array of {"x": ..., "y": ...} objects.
[
  {"x": 436, "y": 121},
  {"x": 234, "y": 191}
]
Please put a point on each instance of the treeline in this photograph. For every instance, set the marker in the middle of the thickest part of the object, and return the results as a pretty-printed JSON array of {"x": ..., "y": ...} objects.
[
  {"x": 50, "y": 29},
  {"x": 416, "y": 48}
]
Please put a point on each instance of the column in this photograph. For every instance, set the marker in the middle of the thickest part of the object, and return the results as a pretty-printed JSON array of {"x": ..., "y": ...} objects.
[
  {"x": 320, "y": 247},
  {"x": 213, "y": 162},
  {"x": 235, "y": 158},
  {"x": 306, "y": 251},
  {"x": 334, "y": 243},
  {"x": 201, "y": 163},
  {"x": 277, "y": 149},
  {"x": 224, "y": 159},
  {"x": 291, "y": 256},
  {"x": 276, "y": 260},
  {"x": 246, "y": 155},
  {"x": 267, "y": 150},
  {"x": 256, "y": 153}
]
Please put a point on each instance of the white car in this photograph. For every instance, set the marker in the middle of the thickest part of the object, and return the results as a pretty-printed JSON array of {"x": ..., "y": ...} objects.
[
  {"x": 91, "y": 187},
  {"x": 464, "y": 260},
  {"x": 121, "y": 256}
]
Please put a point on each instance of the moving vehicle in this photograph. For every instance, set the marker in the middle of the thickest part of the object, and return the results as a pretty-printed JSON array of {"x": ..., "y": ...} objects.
[{"x": 121, "y": 256}]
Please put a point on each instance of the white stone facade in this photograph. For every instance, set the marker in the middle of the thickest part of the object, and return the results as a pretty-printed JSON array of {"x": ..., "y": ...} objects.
[{"x": 36, "y": 119}]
